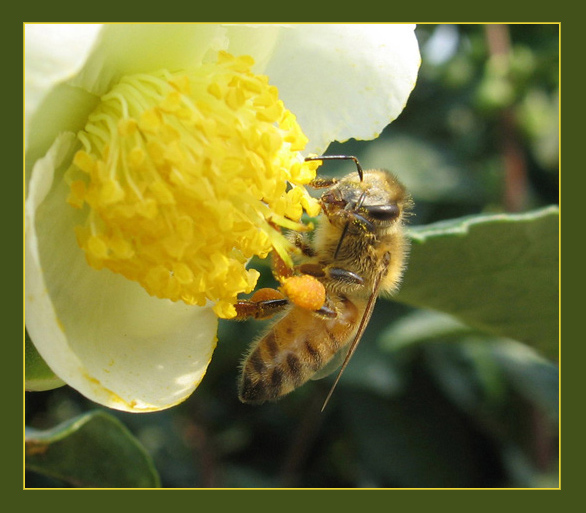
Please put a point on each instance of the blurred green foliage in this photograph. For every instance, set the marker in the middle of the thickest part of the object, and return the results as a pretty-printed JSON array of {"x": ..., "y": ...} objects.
[{"x": 427, "y": 400}]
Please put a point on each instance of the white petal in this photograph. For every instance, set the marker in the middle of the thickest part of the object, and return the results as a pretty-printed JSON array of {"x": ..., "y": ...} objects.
[
  {"x": 344, "y": 81},
  {"x": 258, "y": 41},
  {"x": 125, "y": 49},
  {"x": 53, "y": 54},
  {"x": 99, "y": 332}
]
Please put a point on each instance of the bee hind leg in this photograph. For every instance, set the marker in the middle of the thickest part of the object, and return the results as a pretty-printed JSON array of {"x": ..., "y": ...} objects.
[{"x": 263, "y": 304}]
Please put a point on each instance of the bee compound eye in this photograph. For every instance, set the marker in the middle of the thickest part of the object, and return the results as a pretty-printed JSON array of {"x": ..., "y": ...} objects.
[{"x": 386, "y": 212}]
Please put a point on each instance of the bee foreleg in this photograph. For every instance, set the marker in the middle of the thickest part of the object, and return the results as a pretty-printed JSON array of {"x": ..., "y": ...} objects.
[{"x": 323, "y": 183}]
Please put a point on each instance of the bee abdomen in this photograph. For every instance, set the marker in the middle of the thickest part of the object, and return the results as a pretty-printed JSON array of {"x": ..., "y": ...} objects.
[{"x": 271, "y": 371}]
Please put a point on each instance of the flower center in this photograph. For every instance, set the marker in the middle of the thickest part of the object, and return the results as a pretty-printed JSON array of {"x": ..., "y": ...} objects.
[{"x": 186, "y": 176}]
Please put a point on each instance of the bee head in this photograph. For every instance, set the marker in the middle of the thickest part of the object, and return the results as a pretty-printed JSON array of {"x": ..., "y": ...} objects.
[
  {"x": 368, "y": 203},
  {"x": 372, "y": 202}
]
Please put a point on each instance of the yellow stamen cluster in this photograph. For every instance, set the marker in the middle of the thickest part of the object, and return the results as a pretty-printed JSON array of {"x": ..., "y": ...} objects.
[{"x": 185, "y": 176}]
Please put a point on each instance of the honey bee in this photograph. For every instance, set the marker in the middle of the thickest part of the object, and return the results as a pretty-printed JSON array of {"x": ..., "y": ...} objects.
[{"x": 358, "y": 251}]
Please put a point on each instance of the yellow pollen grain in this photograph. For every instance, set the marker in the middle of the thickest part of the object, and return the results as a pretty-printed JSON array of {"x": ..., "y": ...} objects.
[
  {"x": 172, "y": 102},
  {"x": 215, "y": 90},
  {"x": 77, "y": 193},
  {"x": 185, "y": 176},
  {"x": 84, "y": 161},
  {"x": 127, "y": 127},
  {"x": 97, "y": 247},
  {"x": 181, "y": 84},
  {"x": 136, "y": 157},
  {"x": 150, "y": 120}
]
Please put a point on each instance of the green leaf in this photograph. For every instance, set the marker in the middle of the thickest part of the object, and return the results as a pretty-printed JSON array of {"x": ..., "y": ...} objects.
[
  {"x": 498, "y": 273},
  {"x": 421, "y": 326},
  {"x": 93, "y": 450},
  {"x": 38, "y": 375}
]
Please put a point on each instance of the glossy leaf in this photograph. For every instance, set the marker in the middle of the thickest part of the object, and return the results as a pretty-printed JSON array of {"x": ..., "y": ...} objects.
[
  {"x": 94, "y": 450},
  {"x": 498, "y": 273}
]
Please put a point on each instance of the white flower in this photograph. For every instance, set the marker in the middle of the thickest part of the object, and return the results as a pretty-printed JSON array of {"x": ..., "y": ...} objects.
[{"x": 99, "y": 331}]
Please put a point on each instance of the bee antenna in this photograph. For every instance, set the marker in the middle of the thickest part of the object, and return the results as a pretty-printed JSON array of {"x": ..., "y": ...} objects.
[
  {"x": 341, "y": 157},
  {"x": 347, "y": 225}
]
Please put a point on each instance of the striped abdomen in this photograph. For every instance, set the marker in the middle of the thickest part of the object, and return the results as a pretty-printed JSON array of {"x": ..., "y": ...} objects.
[{"x": 295, "y": 348}]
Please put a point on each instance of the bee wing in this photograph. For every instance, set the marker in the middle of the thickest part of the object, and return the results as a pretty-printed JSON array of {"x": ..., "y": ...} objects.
[
  {"x": 332, "y": 365},
  {"x": 361, "y": 327}
]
